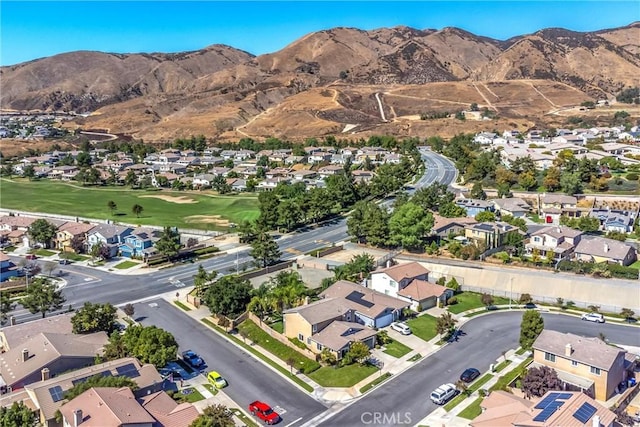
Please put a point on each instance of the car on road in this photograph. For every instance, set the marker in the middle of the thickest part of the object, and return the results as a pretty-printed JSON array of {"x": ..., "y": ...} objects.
[
  {"x": 593, "y": 317},
  {"x": 31, "y": 256},
  {"x": 469, "y": 375},
  {"x": 443, "y": 394},
  {"x": 216, "y": 380},
  {"x": 264, "y": 412},
  {"x": 192, "y": 358},
  {"x": 401, "y": 327},
  {"x": 64, "y": 261}
]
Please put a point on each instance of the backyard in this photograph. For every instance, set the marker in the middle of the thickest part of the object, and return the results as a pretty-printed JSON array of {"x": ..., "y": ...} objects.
[
  {"x": 182, "y": 209},
  {"x": 471, "y": 300}
]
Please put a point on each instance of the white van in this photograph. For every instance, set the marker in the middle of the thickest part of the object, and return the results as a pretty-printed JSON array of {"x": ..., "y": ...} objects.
[{"x": 442, "y": 394}]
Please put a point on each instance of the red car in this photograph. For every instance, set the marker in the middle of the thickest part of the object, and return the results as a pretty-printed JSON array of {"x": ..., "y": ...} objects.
[{"x": 264, "y": 412}]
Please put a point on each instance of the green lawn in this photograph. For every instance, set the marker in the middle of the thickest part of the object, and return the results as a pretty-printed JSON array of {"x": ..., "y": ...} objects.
[
  {"x": 423, "y": 326},
  {"x": 346, "y": 376},
  {"x": 44, "y": 252},
  {"x": 181, "y": 305},
  {"x": 91, "y": 202},
  {"x": 502, "y": 365},
  {"x": 504, "y": 381},
  {"x": 473, "y": 410},
  {"x": 471, "y": 300},
  {"x": 396, "y": 349},
  {"x": 375, "y": 382},
  {"x": 74, "y": 257},
  {"x": 278, "y": 326},
  {"x": 193, "y": 396},
  {"x": 211, "y": 388},
  {"x": 126, "y": 264},
  {"x": 635, "y": 265},
  {"x": 261, "y": 338},
  {"x": 472, "y": 388}
]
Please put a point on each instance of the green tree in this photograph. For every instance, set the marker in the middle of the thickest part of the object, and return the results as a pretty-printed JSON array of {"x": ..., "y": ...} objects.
[
  {"x": 6, "y": 305},
  {"x": 525, "y": 299},
  {"x": 29, "y": 172},
  {"x": 94, "y": 318},
  {"x": 531, "y": 326},
  {"x": 263, "y": 302},
  {"x": 359, "y": 352},
  {"x": 551, "y": 179},
  {"x": 214, "y": 416},
  {"x": 453, "y": 284},
  {"x": 264, "y": 249},
  {"x": 131, "y": 179},
  {"x": 571, "y": 183},
  {"x": 627, "y": 314},
  {"x": 137, "y": 210},
  {"x": 100, "y": 381},
  {"x": 129, "y": 309},
  {"x": 42, "y": 296},
  {"x": 451, "y": 210},
  {"x": 149, "y": 344},
  {"x": 247, "y": 232},
  {"x": 229, "y": 296},
  {"x": 527, "y": 180},
  {"x": 433, "y": 196},
  {"x": 202, "y": 278},
  {"x": 356, "y": 269},
  {"x": 169, "y": 242},
  {"x": 445, "y": 324},
  {"x": 18, "y": 415},
  {"x": 409, "y": 225},
  {"x": 42, "y": 231},
  {"x": 485, "y": 216},
  {"x": 328, "y": 357},
  {"x": 486, "y": 299},
  {"x": 477, "y": 192}
]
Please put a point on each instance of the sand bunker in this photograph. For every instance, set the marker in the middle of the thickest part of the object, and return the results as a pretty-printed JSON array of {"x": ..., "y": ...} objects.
[
  {"x": 181, "y": 200},
  {"x": 207, "y": 219}
]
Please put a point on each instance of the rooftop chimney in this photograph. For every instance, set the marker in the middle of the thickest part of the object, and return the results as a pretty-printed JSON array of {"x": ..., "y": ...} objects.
[
  {"x": 558, "y": 229},
  {"x": 595, "y": 422},
  {"x": 45, "y": 374},
  {"x": 568, "y": 350},
  {"x": 77, "y": 417},
  {"x": 25, "y": 354},
  {"x": 606, "y": 248}
]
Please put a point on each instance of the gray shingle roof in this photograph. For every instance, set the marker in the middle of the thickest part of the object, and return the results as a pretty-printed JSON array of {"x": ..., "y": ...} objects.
[
  {"x": 589, "y": 351},
  {"x": 603, "y": 247}
]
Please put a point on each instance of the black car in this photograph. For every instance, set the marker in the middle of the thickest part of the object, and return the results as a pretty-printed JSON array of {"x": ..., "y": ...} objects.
[{"x": 469, "y": 375}]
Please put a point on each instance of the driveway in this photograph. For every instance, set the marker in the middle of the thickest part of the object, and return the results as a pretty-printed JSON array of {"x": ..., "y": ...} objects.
[{"x": 249, "y": 379}]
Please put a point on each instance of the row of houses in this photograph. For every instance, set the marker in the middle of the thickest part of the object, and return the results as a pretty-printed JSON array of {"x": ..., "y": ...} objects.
[
  {"x": 41, "y": 360},
  {"x": 317, "y": 164}
]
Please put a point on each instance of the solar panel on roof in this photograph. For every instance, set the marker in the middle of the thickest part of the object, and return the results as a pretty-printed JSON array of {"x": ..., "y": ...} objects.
[
  {"x": 584, "y": 412},
  {"x": 128, "y": 370},
  {"x": 546, "y": 401},
  {"x": 548, "y": 411},
  {"x": 56, "y": 393},
  {"x": 356, "y": 297}
]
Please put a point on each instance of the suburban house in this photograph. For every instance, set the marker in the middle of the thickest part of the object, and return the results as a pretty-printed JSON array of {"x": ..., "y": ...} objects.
[
  {"x": 491, "y": 234},
  {"x": 444, "y": 228},
  {"x": 513, "y": 206},
  {"x": 47, "y": 395},
  {"x": 584, "y": 364},
  {"x": 422, "y": 294},
  {"x": 13, "y": 336},
  {"x": 54, "y": 352},
  {"x": 566, "y": 409},
  {"x": 118, "y": 407},
  {"x": 553, "y": 206},
  {"x": 601, "y": 249},
  {"x": 139, "y": 242},
  {"x": 69, "y": 231},
  {"x": 474, "y": 206},
  {"x": 614, "y": 220},
  {"x": 7, "y": 267},
  {"x": 561, "y": 241},
  {"x": 109, "y": 235},
  {"x": 14, "y": 228},
  {"x": 356, "y": 309},
  {"x": 390, "y": 280}
]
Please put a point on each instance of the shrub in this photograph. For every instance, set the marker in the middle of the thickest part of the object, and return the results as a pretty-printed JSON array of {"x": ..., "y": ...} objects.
[
  {"x": 632, "y": 176},
  {"x": 452, "y": 301}
]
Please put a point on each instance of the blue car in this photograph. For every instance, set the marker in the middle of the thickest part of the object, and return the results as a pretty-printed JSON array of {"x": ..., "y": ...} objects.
[{"x": 192, "y": 358}]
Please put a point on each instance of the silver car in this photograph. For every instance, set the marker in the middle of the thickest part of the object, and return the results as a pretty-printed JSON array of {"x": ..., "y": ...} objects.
[{"x": 593, "y": 317}]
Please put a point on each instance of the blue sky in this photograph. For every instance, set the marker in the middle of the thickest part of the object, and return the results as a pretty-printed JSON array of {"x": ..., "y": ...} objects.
[{"x": 30, "y": 30}]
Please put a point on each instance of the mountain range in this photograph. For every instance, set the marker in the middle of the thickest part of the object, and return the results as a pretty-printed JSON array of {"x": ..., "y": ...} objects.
[{"x": 337, "y": 81}]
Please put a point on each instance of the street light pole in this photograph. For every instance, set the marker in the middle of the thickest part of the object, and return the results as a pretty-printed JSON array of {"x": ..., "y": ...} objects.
[{"x": 510, "y": 292}]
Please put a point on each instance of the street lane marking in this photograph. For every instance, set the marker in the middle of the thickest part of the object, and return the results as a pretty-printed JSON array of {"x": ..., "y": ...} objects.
[
  {"x": 280, "y": 410},
  {"x": 293, "y": 422}
]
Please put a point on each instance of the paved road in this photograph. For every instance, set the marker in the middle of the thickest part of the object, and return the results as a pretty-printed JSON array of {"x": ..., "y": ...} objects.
[
  {"x": 248, "y": 378},
  {"x": 87, "y": 284},
  {"x": 486, "y": 337}
]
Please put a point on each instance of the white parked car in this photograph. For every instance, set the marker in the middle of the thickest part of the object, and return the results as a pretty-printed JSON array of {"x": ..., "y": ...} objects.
[
  {"x": 593, "y": 317},
  {"x": 442, "y": 394},
  {"x": 401, "y": 327}
]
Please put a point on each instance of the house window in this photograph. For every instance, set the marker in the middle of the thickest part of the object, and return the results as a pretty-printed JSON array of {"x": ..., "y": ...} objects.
[
  {"x": 549, "y": 357},
  {"x": 319, "y": 347},
  {"x": 595, "y": 371},
  {"x": 314, "y": 328},
  {"x": 574, "y": 363},
  {"x": 301, "y": 337},
  {"x": 309, "y": 340}
]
